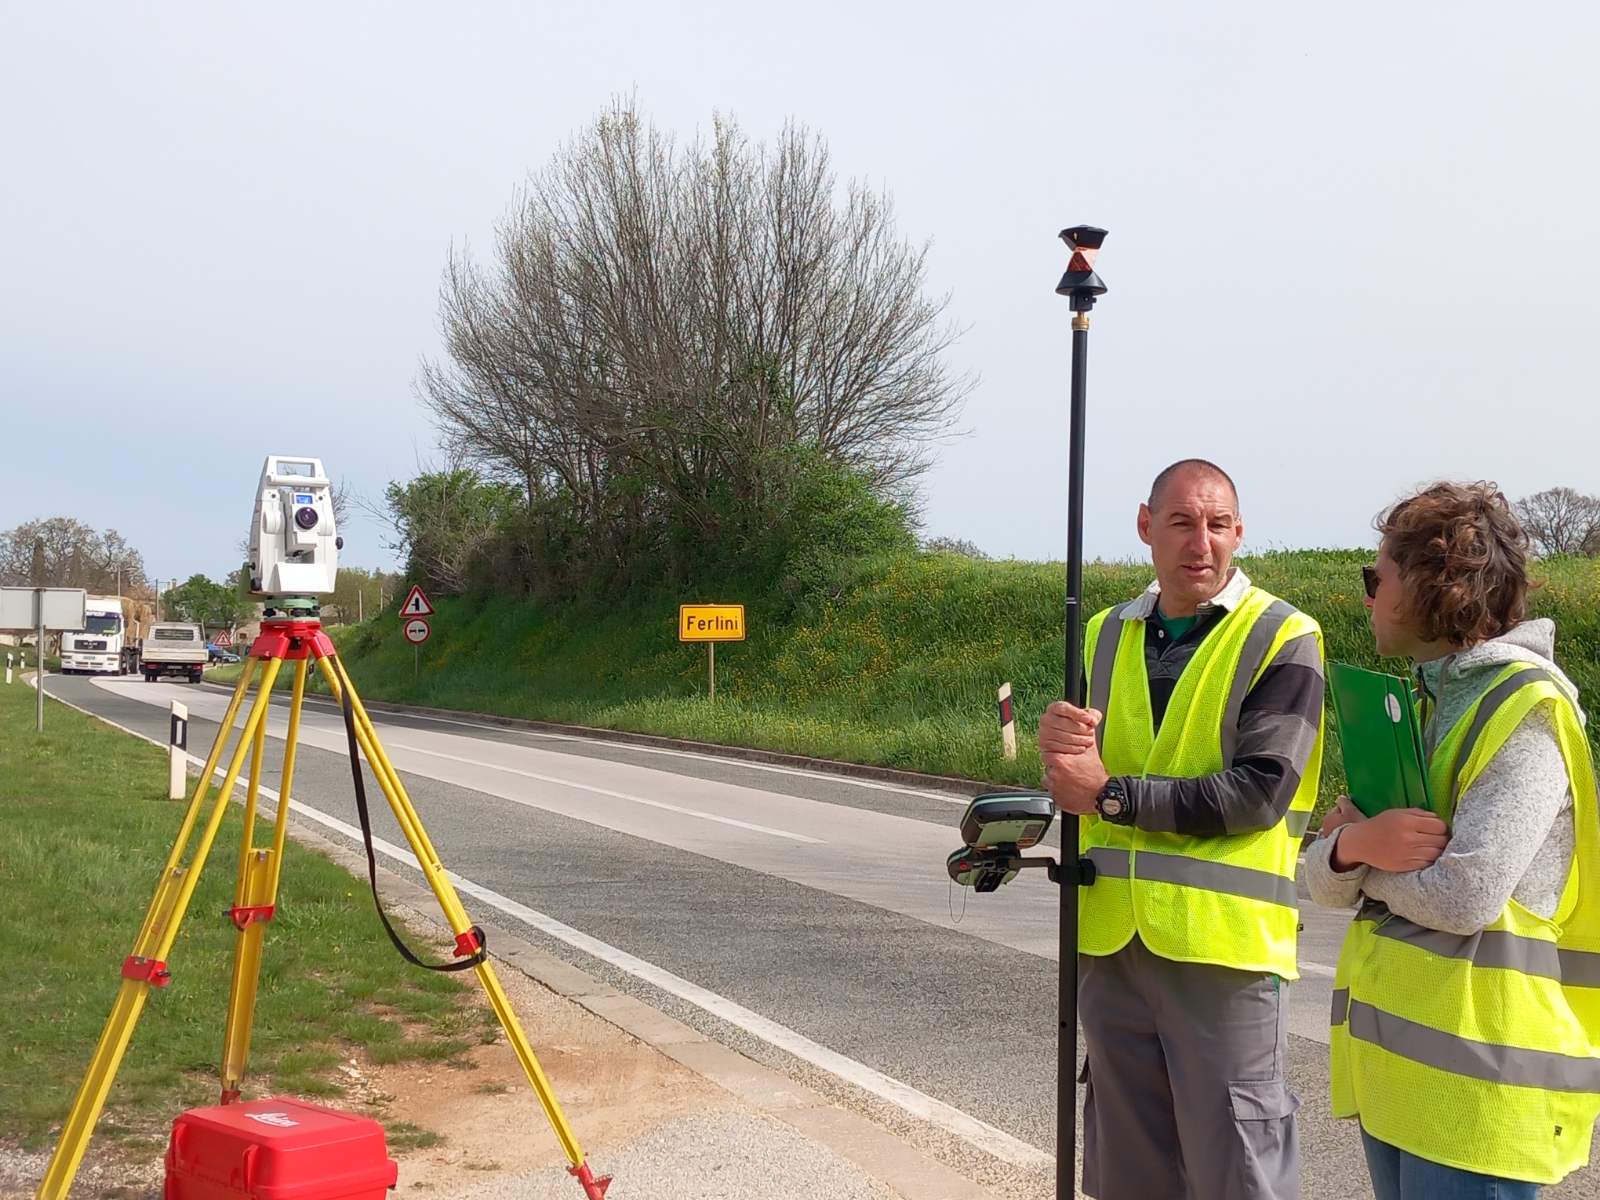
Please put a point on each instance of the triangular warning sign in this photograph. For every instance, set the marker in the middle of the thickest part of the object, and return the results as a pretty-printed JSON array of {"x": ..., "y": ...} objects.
[
  {"x": 224, "y": 638},
  {"x": 416, "y": 604}
]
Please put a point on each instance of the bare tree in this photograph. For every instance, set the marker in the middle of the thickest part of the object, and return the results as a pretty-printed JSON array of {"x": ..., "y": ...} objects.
[
  {"x": 64, "y": 552},
  {"x": 1561, "y": 521},
  {"x": 663, "y": 326}
]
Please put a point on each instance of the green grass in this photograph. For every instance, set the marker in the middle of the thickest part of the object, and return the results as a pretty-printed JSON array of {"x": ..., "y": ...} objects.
[
  {"x": 895, "y": 664},
  {"x": 84, "y": 831}
]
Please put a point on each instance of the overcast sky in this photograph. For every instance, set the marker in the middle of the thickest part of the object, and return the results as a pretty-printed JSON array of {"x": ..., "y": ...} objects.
[{"x": 1353, "y": 247}]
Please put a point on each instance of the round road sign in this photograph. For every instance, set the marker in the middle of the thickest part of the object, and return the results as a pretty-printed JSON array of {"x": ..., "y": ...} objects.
[{"x": 416, "y": 631}]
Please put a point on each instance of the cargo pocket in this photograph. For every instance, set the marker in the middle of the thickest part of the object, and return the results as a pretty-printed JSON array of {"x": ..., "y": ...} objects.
[{"x": 1263, "y": 1114}]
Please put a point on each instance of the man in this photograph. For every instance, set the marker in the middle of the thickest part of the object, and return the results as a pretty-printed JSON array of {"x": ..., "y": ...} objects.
[{"x": 1195, "y": 766}]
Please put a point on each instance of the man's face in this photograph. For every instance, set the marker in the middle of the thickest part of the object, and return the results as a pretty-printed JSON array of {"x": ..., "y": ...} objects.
[{"x": 1192, "y": 535}]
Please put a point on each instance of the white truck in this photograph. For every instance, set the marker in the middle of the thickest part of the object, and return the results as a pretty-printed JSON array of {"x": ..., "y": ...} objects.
[
  {"x": 97, "y": 648},
  {"x": 174, "y": 648}
]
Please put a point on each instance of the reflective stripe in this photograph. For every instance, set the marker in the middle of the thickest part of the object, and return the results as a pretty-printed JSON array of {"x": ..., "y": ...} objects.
[
  {"x": 1256, "y": 644},
  {"x": 1341, "y": 1006},
  {"x": 1109, "y": 862},
  {"x": 1486, "y": 948},
  {"x": 1299, "y": 821},
  {"x": 1215, "y": 877},
  {"x": 1100, "y": 670},
  {"x": 1477, "y": 1060},
  {"x": 1487, "y": 707},
  {"x": 1580, "y": 968}
]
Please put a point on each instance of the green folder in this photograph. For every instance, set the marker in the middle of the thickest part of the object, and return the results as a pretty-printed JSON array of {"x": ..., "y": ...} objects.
[{"x": 1384, "y": 762}]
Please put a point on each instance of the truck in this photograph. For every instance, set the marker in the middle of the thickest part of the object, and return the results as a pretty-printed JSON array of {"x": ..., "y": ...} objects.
[
  {"x": 97, "y": 648},
  {"x": 173, "y": 648}
]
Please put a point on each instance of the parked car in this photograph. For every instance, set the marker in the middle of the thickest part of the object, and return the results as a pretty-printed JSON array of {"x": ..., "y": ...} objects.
[{"x": 219, "y": 654}]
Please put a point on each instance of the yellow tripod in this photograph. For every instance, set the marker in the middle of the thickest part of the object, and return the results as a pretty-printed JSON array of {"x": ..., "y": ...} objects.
[{"x": 255, "y": 896}]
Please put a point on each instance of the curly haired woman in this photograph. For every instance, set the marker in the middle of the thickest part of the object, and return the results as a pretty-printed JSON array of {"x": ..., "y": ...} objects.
[{"x": 1466, "y": 1014}]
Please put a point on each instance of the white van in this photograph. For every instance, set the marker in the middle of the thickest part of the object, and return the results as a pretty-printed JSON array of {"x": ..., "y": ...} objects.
[{"x": 174, "y": 649}]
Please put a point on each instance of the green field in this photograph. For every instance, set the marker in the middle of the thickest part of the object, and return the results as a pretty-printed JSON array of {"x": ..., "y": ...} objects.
[
  {"x": 84, "y": 831},
  {"x": 895, "y": 663}
]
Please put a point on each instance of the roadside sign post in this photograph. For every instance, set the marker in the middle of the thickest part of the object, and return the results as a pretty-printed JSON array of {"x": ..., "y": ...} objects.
[
  {"x": 413, "y": 615},
  {"x": 178, "y": 753},
  {"x": 57, "y": 610},
  {"x": 416, "y": 632},
  {"x": 711, "y": 623},
  {"x": 1008, "y": 723}
]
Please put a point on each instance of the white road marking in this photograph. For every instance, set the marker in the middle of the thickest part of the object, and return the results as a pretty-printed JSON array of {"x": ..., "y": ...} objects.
[
  {"x": 986, "y": 1137},
  {"x": 723, "y": 760},
  {"x": 599, "y": 791}
]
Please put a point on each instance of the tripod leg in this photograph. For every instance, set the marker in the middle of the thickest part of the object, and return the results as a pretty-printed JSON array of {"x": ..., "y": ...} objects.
[
  {"x": 146, "y": 966},
  {"x": 427, "y": 858},
  {"x": 180, "y": 843},
  {"x": 254, "y": 898}
]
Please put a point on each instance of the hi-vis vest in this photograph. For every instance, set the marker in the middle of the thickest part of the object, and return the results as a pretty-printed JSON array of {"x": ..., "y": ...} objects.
[
  {"x": 1480, "y": 1052},
  {"x": 1226, "y": 900}
]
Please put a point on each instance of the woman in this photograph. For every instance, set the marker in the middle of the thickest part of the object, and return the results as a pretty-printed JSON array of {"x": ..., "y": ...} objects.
[{"x": 1466, "y": 1015}]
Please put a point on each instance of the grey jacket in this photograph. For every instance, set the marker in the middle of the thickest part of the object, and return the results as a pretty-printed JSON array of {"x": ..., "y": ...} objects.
[{"x": 1512, "y": 834}]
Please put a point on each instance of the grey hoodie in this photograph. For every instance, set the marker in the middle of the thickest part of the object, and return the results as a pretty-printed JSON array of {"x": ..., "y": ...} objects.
[{"x": 1512, "y": 834}]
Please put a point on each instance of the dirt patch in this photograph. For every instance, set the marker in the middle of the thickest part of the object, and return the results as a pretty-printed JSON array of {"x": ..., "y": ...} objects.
[{"x": 612, "y": 1087}]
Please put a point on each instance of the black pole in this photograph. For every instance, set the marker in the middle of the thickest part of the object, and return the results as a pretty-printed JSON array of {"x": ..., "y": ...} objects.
[{"x": 1082, "y": 285}]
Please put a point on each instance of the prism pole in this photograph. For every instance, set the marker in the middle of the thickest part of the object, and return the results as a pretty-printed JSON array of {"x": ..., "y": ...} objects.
[{"x": 1082, "y": 286}]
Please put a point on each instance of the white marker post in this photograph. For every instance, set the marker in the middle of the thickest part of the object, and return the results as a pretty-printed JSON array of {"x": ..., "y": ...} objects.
[
  {"x": 1008, "y": 723},
  {"x": 8, "y": 670},
  {"x": 177, "y": 753}
]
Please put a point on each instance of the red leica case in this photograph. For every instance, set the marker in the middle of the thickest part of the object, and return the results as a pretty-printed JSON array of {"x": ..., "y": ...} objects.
[{"x": 278, "y": 1149}]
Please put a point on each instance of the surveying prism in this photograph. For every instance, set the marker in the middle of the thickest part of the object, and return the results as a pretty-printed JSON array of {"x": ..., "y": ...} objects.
[{"x": 293, "y": 560}]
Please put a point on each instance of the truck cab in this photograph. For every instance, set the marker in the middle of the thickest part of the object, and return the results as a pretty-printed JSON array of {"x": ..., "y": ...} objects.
[
  {"x": 174, "y": 648},
  {"x": 96, "y": 649}
]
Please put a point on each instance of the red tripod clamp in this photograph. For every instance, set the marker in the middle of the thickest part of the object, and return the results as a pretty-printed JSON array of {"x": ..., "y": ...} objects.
[
  {"x": 468, "y": 943},
  {"x": 146, "y": 970},
  {"x": 243, "y": 915}
]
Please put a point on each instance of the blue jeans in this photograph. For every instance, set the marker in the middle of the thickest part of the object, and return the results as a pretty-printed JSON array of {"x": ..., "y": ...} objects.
[{"x": 1400, "y": 1175}]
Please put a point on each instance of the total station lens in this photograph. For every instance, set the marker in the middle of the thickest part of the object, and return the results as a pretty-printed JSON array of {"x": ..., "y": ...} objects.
[{"x": 306, "y": 518}]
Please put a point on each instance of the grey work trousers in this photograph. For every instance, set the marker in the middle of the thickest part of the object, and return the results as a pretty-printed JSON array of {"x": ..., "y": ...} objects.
[{"x": 1185, "y": 1095}]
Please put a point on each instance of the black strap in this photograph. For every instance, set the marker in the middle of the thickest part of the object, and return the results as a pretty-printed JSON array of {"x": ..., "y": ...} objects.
[{"x": 463, "y": 964}]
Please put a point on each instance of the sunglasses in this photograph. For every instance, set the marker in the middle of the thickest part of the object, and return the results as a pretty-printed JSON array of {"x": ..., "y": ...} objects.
[{"x": 1369, "y": 580}]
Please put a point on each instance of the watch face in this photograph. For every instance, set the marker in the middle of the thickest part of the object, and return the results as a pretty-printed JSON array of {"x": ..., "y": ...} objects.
[{"x": 1111, "y": 806}]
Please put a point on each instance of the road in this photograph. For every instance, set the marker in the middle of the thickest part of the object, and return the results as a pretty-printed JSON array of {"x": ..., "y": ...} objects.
[{"x": 802, "y": 918}]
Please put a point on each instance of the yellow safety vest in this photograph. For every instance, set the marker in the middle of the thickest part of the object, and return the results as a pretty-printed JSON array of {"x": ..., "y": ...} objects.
[
  {"x": 1480, "y": 1052},
  {"x": 1227, "y": 900}
]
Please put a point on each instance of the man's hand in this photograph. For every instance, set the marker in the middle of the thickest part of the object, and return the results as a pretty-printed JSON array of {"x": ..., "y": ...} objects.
[
  {"x": 1073, "y": 772},
  {"x": 1398, "y": 839},
  {"x": 1067, "y": 729},
  {"x": 1343, "y": 813}
]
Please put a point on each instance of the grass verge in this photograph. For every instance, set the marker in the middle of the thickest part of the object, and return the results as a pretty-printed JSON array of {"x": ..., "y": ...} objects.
[{"x": 84, "y": 831}]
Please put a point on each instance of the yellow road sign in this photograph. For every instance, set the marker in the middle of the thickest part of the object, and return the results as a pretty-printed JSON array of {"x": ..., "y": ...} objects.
[{"x": 711, "y": 622}]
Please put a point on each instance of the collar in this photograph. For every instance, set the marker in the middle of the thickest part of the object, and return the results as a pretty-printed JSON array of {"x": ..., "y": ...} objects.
[{"x": 1144, "y": 607}]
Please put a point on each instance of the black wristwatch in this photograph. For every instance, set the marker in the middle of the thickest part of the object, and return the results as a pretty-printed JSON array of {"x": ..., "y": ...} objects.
[{"x": 1113, "y": 804}]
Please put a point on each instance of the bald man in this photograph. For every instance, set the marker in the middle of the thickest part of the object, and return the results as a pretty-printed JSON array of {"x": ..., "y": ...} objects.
[{"x": 1195, "y": 768}]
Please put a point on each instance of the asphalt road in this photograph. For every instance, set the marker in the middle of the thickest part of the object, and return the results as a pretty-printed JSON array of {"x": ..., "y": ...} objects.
[{"x": 804, "y": 919}]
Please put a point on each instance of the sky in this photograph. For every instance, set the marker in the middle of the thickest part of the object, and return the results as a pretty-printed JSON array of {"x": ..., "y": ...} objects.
[{"x": 1352, "y": 249}]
